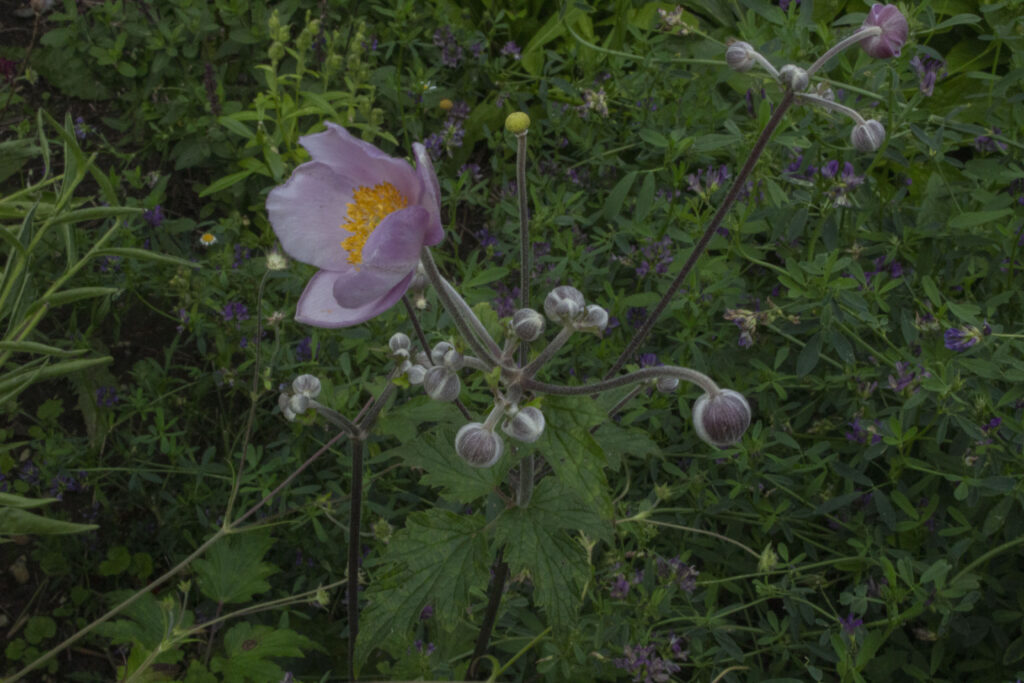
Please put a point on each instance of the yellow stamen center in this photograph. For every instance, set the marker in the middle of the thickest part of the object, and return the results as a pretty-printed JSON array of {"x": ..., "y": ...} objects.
[{"x": 371, "y": 206}]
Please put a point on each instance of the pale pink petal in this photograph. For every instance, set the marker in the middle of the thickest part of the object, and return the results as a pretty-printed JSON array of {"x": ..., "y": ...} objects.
[
  {"x": 432, "y": 193},
  {"x": 307, "y": 213},
  {"x": 390, "y": 254},
  {"x": 362, "y": 163},
  {"x": 318, "y": 307}
]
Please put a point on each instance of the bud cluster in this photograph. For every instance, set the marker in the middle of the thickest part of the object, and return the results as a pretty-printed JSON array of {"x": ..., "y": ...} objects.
[
  {"x": 565, "y": 305},
  {"x": 305, "y": 388}
]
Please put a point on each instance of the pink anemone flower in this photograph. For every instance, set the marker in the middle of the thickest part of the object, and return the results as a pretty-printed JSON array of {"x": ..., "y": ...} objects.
[
  {"x": 361, "y": 217},
  {"x": 894, "y": 31}
]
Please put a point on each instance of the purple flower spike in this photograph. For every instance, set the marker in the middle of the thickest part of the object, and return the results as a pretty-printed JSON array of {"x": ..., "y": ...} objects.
[
  {"x": 361, "y": 217},
  {"x": 894, "y": 31}
]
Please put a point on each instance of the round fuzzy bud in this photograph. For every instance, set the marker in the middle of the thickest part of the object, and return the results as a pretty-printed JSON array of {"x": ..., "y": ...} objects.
[
  {"x": 416, "y": 374},
  {"x": 445, "y": 354},
  {"x": 527, "y": 324},
  {"x": 306, "y": 385},
  {"x": 740, "y": 56},
  {"x": 594, "y": 319},
  {"x": 284, "y": 403},
  {"x": 794, "y": 78},
  {"x": 276, "y": 260},
  {"x": 894, "y": 31},
  {"x": 478, "y": 446},
  {"x": 721, "y": 419},
  {"x": 526, "y": 425},
  {"x": 400, "y": 343},
  {"x": 298, "y": 403},
  {"x": 442, "y": 384},
  {"x": 666, "y": 385},
  {"x": 867, "y": 136},
  {"x": 517, "y": 122},
  {"x": 564, "y": 304}
]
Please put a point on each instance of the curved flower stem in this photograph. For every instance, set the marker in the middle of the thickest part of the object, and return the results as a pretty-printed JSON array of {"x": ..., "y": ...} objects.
[
  {"x": 614, "y": 410},
  {"x": 352, "y": 589},
  {"x": 730, "y": 198},
  {"x": 829, "y": 104},
  {"x": 550, "y": 350},
  {"x": 415, "y": 320},
  {"x": 470, "y": 327},
  {"x": 645, "y": 520},
  {"x": 642, "y": 375},
  {"x": 524, "y": 222},
  {"x": 765, "y": 64},
  {"x": 861, "y": 34},
  {"x": 476, "y": 363},
  {"x": 335, "y": 418}
]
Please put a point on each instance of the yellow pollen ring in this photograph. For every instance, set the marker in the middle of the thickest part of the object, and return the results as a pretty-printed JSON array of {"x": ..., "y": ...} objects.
[{"x": 370, "y": 206}]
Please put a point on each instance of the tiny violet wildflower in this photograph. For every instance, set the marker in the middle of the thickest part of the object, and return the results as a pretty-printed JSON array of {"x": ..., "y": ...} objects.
[
  {"x": 986, "y": 143},
  {"x": 646, "y": 665},
  {"x": 362, "y": 218},
  {"x": 235, "y": 310},
  {"x": 594, "y": 100},
  {"x": 678, "y": 572},
  {"x": 154, "y": 216},
  {"x": 510, "y": 49},
  {"x": 426, "y": 612},
  {"x": 451, "y": 51},
  {"x": 106, "y": 397},
  {"x": 620, "y": 587},
  {"x": 928, "y": 71},
  {"x": 81, "y": 130},
  {"x": 785, "y": 4},
  {"x": 304, "y": 349},
  {"x": 962, "y": 338},
  {"x": 843, "y": 182},
  {"x": 851, "y": 623},
  {"x": 207, "y": 239},
  {"x": 862, "y": 434},
  {"x": 707, "y": 180}
]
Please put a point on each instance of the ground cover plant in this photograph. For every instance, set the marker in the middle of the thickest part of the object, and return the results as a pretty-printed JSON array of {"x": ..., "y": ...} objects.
[{"x": 344, "y": 340}]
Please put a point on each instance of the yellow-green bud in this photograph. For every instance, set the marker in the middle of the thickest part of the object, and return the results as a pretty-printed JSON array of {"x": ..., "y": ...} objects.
[{"x": 517, "y": 122}]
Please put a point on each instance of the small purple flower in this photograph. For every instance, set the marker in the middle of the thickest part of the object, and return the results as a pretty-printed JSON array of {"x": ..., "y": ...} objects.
[
  {"x": 426, "y": 612},
  {"x": 707, "y": 180},
  {"x": 81, "y": 130},
  {"x": 646, "y": 665},
  {"x": 304, "y": 349},
  {"x": 894, "y": 30},
  {"x": 784, "y": 4},
  {"x": 451, "y": 51},
  {"x": 154, "y": 216},
  {"x": 620, "y": 587},
  {"x": 235, "y": 310},
  {"x": 676, "y": 571},
  {"x": 962, "y": 338},
  {"x": 851, "y": 623},
  {"x": 649, "y": 360},
  {"x": 636, "y": 316},
  {"x": 510, "y": 49},
  {"x": 106, "y": 397},
  {"x": 861, "y": 434},
  {"x": 387, "y": 212},
  {"x": 985, "y": 143},
  {"x": 928, "y": 71}
]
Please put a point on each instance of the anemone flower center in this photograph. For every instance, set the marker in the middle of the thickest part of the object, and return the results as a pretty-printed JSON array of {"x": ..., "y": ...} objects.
[{"x": 370, "y": 206}]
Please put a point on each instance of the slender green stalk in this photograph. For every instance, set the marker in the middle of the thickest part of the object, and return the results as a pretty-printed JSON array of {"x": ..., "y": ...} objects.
[
  {"x": 716, "y": 221},
  {"x": 641, "y": 375},
  {"x": 355, "y": 510}
]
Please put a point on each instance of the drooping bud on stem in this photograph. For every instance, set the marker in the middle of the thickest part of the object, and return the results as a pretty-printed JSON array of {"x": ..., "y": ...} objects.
[
  {"x": 525, "y": 424},
  {"x": 564, "y": 304},
  {"x": 721, "y": 418},
  {"x": 478, "y": 445},
  {"x": 527, "y": 324},
  {"x": 868, "y": 136}
]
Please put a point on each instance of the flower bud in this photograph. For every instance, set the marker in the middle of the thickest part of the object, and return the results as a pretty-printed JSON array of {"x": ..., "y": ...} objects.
[
  {"x": 298, "y": 403},
  {"x": 416, "y": 374},
  {"x": 894, "y": 31},
  {"x": 594, "y": 319},
  {"x": 794, "y": 78},
  {"x": 398, "y": 343},
  {"x": 276, "y": 260},
  {"x": 527, "y": 324},
  {"x": 306, "y": 385},
  {"x": 867, "y": 136},
  {"x": 444, "y": 354},
  {"x": 526, "y": 424},
  {"x": 517, "y": 122},
  {"x": 720, "y": 419},
  {"x": 284, "y": 403},
  {"x": 740, "y": 56},
  {"x": 478, "y": 446},
  {"x": 442, "y": 384},
  {"x": 564, "y": 304}
]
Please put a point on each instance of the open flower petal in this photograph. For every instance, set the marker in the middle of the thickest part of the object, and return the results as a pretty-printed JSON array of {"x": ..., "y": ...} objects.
[
  {"x": 360, "y": 216},
  {"x": 318, "y": 307}
]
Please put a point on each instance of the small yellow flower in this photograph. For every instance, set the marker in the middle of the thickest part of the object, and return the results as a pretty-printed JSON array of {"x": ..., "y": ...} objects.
[
  {"x": 445, "y": 104},
  {"x": 207, "y": 239}
]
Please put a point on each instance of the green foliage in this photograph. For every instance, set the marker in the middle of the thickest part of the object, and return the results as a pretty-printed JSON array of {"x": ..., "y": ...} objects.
[
  {"x": 249, "y": 648},
  {"x": 233, "y": 570}
]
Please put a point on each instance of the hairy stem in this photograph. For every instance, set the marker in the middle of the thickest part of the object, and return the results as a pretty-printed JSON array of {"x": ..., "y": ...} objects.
[
  {"x": 716, "y": 221},
  {"x": 499, "y": 574}
]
